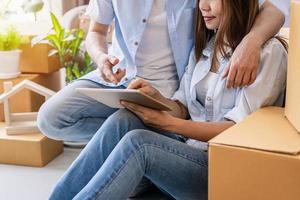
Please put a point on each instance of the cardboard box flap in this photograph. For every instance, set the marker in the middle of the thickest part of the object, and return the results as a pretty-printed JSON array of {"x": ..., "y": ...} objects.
[{"x": 266, "y": 129}]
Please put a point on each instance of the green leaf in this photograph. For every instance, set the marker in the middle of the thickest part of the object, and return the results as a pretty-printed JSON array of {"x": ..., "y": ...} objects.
[
  {"x": 75, "y": 70},
  {"x": 10, "y": 40},
  {"x": 56, "y": 25},
  {"x": 55, "y": 41}
]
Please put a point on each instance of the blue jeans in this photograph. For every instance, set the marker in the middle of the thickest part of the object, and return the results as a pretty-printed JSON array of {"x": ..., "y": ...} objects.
[
  {"x": 72, "y": 116},
  {"x": 123, "y": 154}
]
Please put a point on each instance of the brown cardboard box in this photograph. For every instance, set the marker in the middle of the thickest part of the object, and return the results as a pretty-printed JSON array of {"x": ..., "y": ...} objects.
[
  {"x": 27, "y": 101},
  {"x": 293, "y": 84},
  {"x": 31, "y": 149},
  {"x": 258, "y": 159},
  {"x": 36, "y": 60}
]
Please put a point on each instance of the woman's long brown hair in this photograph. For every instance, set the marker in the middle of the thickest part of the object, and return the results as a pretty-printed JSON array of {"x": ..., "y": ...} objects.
[{"x": 238, "y": 17}]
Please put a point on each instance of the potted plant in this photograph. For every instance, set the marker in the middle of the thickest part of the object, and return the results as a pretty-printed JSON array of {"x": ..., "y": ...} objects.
[
  {"x": 67, "y": 45},
  {"x": 10, "y": 41}
]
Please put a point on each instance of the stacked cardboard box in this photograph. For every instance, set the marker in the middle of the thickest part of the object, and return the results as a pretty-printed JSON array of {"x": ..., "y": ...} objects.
[
  {"x": 259, "y": 159},
  {"x": 31, "y": 149}
]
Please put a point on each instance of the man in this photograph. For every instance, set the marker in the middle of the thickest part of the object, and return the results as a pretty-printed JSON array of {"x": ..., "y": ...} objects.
[{"x": 153, "y": 39}]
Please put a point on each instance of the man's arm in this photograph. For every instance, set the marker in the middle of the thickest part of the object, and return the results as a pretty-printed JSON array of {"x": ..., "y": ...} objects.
[
  {"x": 96, "y": 43},
  {"x": 97, "y": 47},
  {"x": 245, "y": 60}
]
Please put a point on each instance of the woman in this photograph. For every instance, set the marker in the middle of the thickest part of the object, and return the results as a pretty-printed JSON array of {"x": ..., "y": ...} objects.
[{"x": 131, "y": 151}]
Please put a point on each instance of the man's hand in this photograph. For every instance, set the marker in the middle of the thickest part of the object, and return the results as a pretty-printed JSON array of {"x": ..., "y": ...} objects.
[
  {"x": 106, "y": 64},
  {"x": 242, "y": 68}
]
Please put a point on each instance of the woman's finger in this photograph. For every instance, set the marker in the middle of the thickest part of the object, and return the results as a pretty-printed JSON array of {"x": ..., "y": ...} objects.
[{"x": 136, "y": 84}]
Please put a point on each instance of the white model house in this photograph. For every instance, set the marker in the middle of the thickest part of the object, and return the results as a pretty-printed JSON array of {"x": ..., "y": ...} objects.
[{"x": 21, "y": 123}]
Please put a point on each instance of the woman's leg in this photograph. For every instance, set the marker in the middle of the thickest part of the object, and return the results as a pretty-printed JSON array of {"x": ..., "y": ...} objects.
[
  {"x": 175, "y": 167},
  {"x": 95, "y": 153},
  {"x": 72, "y": 116}
]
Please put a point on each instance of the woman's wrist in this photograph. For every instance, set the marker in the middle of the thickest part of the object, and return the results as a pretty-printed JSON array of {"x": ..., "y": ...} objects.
[{"x": 174, "y": 124}]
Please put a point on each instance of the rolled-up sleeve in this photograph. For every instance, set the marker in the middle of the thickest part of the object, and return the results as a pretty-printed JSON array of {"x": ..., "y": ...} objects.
[
  {"x": 282, "y": 5},
  {"x": 268, "y": 88},
  {"x": 101, "y": 11}
]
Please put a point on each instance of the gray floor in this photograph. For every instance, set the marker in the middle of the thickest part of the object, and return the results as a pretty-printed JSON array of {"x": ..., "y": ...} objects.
[{"x": 28, "y": 183}]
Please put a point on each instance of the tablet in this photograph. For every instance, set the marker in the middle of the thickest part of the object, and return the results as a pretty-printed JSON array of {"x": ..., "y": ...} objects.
[{"x": 112, "y": 97}]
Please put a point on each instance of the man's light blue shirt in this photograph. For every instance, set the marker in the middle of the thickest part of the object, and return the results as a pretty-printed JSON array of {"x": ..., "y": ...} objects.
[{"x": 130, "y": 17}]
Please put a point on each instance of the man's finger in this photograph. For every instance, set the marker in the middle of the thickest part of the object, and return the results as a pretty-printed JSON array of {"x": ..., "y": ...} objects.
[
  {"x": 231, "y": 77},
  {"x": 246, "y": 79},
  {"x": 113, "y": 60},
  {"x": 120, "y": 74},
  {"x": 108, "y": 73},
  {"x": 253, "y": 77},
  {"x": 238, "y": 78}
]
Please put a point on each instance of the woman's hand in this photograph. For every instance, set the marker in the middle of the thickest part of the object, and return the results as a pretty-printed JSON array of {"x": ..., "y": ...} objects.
[
  {"x": 146, "y": 88},
  {"x": 242, "y": 68},
  {"x": 154, "y": 118}
]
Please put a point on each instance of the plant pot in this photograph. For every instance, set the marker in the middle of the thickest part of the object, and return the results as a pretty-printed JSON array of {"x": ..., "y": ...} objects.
[{"x": 10, "y": 64}]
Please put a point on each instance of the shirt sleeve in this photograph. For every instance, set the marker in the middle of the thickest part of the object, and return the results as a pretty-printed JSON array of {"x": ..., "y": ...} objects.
[
  {"x": 282, "y": 5},
  {"x": 269, "y": 86},
  {"x": 101, "y": 11}
]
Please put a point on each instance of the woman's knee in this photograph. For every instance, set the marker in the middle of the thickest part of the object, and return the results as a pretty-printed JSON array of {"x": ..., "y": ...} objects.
[{"x": 140, "y": 138}]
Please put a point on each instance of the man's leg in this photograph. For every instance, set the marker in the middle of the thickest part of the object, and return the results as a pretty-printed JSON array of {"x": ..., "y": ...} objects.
[{"x": 72, "y": 116}]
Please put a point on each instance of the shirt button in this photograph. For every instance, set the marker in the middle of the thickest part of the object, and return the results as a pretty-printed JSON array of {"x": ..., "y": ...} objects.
[
  {"x": 136, "y": 43},
  {"x": 208, "y": 98},
  {"x": 144, "y": 20}
]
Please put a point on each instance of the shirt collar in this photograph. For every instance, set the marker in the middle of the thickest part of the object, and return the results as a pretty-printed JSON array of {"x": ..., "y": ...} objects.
[{"x": 209, "y": 47}]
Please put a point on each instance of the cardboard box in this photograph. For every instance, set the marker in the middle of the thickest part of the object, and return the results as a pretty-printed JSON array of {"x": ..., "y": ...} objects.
[
  {"x": 28, "y": 101},
  {"x": 293, "y": 84},
  {"x": 258, "y": 159},
  {"x": 31, "y": 149},
  {"x": 36, "y": 60}
]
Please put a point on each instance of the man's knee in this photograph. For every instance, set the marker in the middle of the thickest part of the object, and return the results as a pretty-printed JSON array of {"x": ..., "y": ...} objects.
[{"x": 47, "y": 121}]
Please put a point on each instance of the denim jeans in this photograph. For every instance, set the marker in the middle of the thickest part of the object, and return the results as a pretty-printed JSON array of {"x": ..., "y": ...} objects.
[
  {"x": 124, "y": 153},
  {"x": 72, "y": 116}
]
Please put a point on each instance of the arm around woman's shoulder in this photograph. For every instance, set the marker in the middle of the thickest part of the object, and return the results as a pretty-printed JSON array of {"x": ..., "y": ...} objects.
[{"x": 269, "y": 87}]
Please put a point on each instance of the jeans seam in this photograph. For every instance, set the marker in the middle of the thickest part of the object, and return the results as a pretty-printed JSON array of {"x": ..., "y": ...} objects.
[
  {"x": 132, "y": 155},
  {"x": 175, "y": 153}
]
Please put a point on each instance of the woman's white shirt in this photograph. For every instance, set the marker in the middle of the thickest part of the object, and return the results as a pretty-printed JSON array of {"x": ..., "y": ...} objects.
[{"x": 223, "y": 104}]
